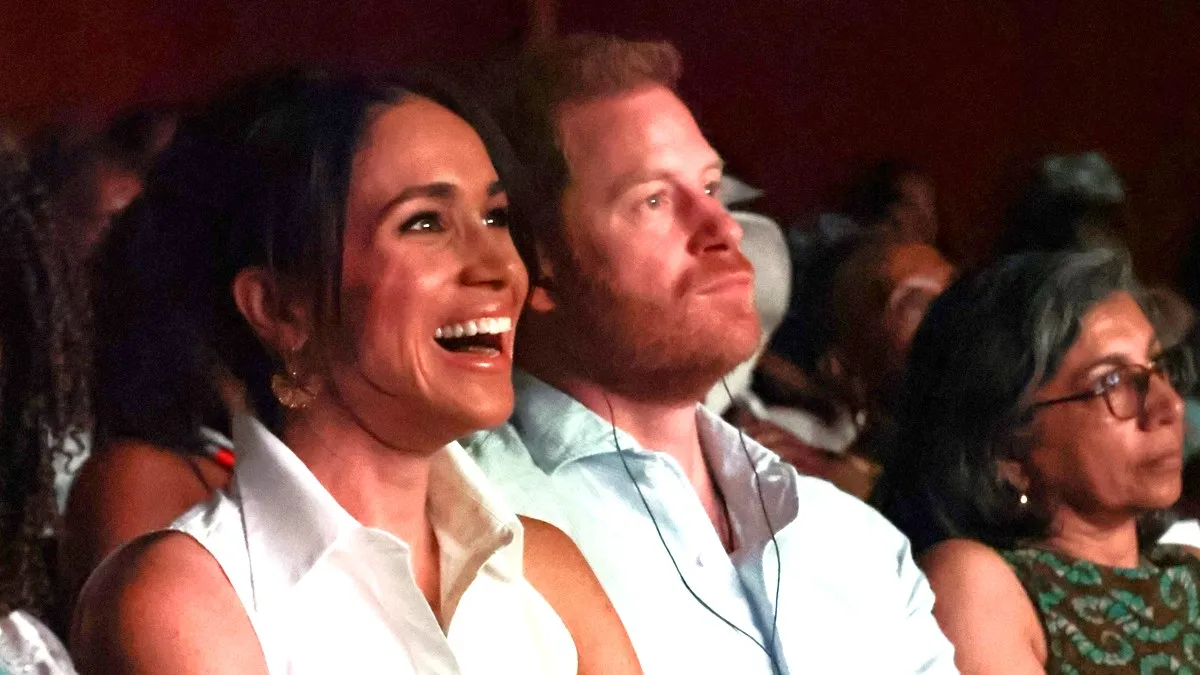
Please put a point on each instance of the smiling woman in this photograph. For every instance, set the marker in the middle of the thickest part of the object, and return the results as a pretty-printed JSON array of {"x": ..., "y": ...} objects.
[{"x": 368, "y": 288}]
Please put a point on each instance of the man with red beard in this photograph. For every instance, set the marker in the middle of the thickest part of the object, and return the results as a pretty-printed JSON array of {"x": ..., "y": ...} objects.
[{"x": 718, "y": 557}]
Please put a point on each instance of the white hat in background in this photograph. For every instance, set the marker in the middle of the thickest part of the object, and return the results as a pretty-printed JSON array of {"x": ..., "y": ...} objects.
[{"x": 734, "y": 191}]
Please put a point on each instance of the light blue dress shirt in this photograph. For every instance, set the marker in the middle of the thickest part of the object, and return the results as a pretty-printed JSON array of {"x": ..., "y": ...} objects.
[{"x": 851, "y": 600}]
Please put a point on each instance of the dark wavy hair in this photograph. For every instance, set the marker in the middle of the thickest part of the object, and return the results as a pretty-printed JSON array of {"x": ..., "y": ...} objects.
[
  {"x": 44, "y": 371},
  {"x": 259, "y": 178},
  {"x": 985, "y": 347}
]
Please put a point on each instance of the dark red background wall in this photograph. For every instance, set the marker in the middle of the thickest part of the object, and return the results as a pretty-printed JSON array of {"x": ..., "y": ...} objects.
[
  {"x": 795, "y": 93},
  {"x": 93, "y": 57}
]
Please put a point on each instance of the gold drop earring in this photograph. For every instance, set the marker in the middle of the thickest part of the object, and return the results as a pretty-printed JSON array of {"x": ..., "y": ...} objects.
[{"x": 290, "y": 387}]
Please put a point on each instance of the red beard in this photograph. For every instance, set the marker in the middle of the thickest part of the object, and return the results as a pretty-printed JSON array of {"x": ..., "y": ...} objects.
[{"x": 654, "y": 348}]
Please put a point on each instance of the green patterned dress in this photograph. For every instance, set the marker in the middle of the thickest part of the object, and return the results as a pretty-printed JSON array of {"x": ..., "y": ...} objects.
[{"x": 1143, "y": 620}]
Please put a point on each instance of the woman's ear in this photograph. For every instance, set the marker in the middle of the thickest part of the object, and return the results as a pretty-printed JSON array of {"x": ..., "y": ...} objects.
[
  {"x": 1013, "y": 472},
  {"x": 278, "y": 318},
  {"x": 542, "y": 294}
]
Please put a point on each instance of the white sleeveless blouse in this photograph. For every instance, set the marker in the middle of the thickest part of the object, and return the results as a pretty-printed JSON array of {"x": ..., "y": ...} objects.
[{"x": 328, "y": 595}]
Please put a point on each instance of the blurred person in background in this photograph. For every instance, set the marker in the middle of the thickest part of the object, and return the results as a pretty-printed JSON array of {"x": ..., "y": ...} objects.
[
  {"x": 896, "y": 198},
  {"x": 44, "y": 401},
  {"x": 162, "y": 398},
  {"x": 864, "y": 301},
  {"x": 93, "y": 178},
  {"x": 1070, "y": 202}
]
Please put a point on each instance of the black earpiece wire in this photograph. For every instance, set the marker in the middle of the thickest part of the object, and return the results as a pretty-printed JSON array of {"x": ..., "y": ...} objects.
[{"x": 762, "y": 502}]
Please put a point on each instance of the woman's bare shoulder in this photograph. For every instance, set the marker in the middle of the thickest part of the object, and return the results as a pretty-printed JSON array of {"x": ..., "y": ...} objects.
[
  {"x": 556, "y": 568},
  {"x": 160, "y": 604},
  {"x": 983, "y": 609},
  {"x": 123, "y": 491}
]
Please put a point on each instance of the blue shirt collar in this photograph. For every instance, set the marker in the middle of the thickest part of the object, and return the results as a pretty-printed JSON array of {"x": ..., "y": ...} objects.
[{"x": 560, "y": 428}]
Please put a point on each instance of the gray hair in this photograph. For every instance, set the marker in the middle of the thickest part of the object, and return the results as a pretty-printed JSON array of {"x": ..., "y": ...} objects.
[
  {"x": 986, "y": 345},
  {"x": 1068, "y": 286}
]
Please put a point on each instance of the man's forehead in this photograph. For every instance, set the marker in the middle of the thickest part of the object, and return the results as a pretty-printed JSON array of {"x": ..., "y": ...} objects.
[{"x": 619, "y": 134}]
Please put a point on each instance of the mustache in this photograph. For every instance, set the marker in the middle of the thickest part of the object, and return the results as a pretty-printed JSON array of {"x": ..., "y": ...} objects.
[{"x": 716, "y": 268}]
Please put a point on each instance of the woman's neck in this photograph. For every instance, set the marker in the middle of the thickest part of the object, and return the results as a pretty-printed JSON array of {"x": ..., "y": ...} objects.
[
  {"x": 381, "y": 487},
  {"x": 1111, "y": 542}
]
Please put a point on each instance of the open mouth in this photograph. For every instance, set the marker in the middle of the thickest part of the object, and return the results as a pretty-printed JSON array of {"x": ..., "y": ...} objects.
[{"x": 478, "y": 336}]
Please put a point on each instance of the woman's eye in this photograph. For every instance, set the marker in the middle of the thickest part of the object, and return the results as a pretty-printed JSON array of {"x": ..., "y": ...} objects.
[
  {"x": 423, "y": 222},
  {"x": 713, "y": 189},
  {"x": 496, "y": 218},
  {"x": 656, "y": 200},
  {"x": 1110, "y": 379}
]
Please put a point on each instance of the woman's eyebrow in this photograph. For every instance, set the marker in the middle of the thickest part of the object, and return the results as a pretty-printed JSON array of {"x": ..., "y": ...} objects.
[
  {"x": 1114, "y": 359},
  {"x": 429, "y": 190}
]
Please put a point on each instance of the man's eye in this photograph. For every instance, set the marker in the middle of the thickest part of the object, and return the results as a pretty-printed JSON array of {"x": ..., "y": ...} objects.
[
  {"x": 423, "y": 222},
  {"x": 656, "y": 200},
  {"x": 713, "y": 189},
  {"x": 496, "y": 218}
]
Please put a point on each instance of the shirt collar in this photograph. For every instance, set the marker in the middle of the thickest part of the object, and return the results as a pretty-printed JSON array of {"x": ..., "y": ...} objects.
[
  {"x": 746, "y": 473},
  {"x": 473, "y": 525},
  {"x": 558, "y": 429},
  {"x": 291, "y": 520}
]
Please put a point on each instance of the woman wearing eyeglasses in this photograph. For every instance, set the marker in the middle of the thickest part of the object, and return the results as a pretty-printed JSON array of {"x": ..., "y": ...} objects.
[{"x": 1038, "y": 424}]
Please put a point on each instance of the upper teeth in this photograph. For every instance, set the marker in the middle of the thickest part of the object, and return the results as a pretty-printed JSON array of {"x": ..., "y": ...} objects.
[{"x": 485, "y": 326}]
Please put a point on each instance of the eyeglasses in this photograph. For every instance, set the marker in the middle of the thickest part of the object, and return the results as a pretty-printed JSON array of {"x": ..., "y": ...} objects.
[{"x": 1124, "y": 388}]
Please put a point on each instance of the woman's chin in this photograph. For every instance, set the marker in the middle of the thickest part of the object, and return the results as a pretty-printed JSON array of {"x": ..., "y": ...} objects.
[
  {"x": 1163, "y": 496},
  {"x": 486, "y": 412}
]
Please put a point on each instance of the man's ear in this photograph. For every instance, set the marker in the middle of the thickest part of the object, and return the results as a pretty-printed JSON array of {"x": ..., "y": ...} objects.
[
  {"x": 543, "y": 294},
  {"x": 280, "y": 319}
]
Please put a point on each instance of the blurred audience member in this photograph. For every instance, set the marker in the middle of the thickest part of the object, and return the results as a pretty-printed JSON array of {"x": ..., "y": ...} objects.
[
  {"x": 736, "y": 194},
  {"x": 1070, "y": 202},
  {"x": 161, "y": 397},
  {"x": 1170, "y": 325},
  {"x": 864, "y": 304},
  {"x": 1037, "y": 425},
  {"x": 797, "y": 378},
  {"x": 92, "y": 179},
  {"x": 136, "y": 138},
  {"x": 44, "y": 370},
  {"x": 896, "y": 198},
  {"x": 764, "y": 246},
  {"x": 880, "y": 295}
]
